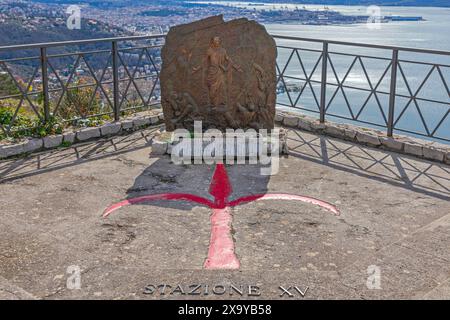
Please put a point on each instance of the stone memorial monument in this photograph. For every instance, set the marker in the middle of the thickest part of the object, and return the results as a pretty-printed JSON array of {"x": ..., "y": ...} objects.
[{"x": 220, "y": 73}]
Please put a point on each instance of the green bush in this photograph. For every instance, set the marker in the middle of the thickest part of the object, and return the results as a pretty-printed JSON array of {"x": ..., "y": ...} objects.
[
  {"x": 26, "y": 123},
  {"x": 20, "y": 125},
  {"x": 76, "y": 109},
  {"x": 81, "y": 102},
  {"x": 7, "y": 86}
]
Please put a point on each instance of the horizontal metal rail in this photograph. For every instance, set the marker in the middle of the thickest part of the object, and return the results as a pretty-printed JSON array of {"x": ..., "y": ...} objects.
[
  {"x": 365, "y": 45},
  {"x": 78, "y": 42},
  {"x": 147, "y": 37}
]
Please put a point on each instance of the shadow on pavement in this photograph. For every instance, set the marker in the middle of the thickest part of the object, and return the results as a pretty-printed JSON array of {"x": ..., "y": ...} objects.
[
  {"x": 46, "y": 161},
  {"x": 421, "y": 176},
  {"x": 426, "y": 177},
  {"x": 165, "y": 177}
]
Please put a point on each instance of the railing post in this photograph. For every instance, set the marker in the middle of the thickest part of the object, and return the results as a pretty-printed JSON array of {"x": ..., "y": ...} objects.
[
  {"x": 392, "y": 92},
  {"x": 44, "y": 71},
  {"x": 115, "y": 67},
  {"x": 323, "y": 86}
]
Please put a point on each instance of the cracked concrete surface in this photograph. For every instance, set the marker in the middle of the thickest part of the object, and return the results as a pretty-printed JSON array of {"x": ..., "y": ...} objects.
[{"x": 395, "y": 214}]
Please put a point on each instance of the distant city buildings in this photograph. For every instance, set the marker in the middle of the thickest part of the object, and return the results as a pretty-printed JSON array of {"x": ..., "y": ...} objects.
[{"x": 147, "y": 19}]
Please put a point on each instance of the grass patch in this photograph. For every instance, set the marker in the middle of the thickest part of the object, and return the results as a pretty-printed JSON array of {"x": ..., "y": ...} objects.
[{"x": 65, "y": 144}]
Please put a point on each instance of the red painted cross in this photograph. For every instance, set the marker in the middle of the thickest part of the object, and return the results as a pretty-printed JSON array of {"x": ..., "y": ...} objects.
[{"x": 221, "y": 253}]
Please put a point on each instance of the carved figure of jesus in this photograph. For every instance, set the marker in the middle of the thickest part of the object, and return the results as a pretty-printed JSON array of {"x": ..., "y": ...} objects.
[{"x": 218, "y": 63}]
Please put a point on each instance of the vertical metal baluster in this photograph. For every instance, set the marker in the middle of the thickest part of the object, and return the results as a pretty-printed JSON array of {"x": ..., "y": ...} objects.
[
  {"x": 323, "y": 86},
  {"x": 392, "y": 92},
  {"x": 115, "y": 67},
  {"x": 44, "y": 71}
]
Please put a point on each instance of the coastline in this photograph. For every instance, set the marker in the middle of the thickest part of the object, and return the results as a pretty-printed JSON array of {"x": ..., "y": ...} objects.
[{"x": 268, "y": 3}]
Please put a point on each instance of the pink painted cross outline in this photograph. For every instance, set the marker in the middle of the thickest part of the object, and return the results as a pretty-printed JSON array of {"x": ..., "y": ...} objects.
[{"x": 221, "y": 253}]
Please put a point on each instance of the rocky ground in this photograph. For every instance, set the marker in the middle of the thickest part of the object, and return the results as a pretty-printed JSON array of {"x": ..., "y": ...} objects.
[{"x": 395, "y": 219}]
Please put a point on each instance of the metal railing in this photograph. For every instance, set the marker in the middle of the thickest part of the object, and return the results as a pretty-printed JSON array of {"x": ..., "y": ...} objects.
[
  {"x": 396, "y": 104},
  {"x": 125, "y": 78},
  {"x": 120, "y": 77}
]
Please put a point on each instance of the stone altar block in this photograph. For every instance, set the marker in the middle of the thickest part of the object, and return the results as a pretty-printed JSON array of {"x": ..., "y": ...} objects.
[{"x": 222, "y": 73}]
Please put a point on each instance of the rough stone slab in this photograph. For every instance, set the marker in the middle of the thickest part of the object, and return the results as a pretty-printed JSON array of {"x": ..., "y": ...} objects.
[
  {"x": 433, "y": 153},
  {"x": 154, "y": 119},
  {"x": 222, "y": 72},
  {"x": 32, "y": 145},
  {"x": 110, "y": 129},
  {"x": 127, "y": 124},
  {"x": 11, "y": 150},
  {"x": 279, "y": 117},
  {"x": 140, "y": 122},
  {"x": 414, "y": 149},
  {"x": 290, "y": 121},
  {"x": 391, "y": 143},
  {"x": 161, "y": 116},
  {"x": 69, "y": 137},
  {"x": 368, "y": 138},
  {"x": 304, "y": 124},
  {"x": 335, "y": 131},
  {"x": 350, "y": 133},
  {"x": 27, "y": 146},
  {"x": 52, "y": 141},
  {"x": 318, "y": 126},
  {"x": 159, "y": 147},
  {"x": 88, "y": 133}
]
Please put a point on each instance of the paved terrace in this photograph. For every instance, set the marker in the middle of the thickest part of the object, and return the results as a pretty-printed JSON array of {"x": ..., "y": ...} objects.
[{"x": 395, "y": 214}]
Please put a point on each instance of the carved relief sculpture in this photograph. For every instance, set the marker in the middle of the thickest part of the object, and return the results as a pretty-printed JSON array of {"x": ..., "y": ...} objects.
[{"x": 222, "y": 73}]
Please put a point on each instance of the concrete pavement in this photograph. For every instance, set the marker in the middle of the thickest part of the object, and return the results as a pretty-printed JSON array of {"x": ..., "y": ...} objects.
[{"x": 395, "y": 217}]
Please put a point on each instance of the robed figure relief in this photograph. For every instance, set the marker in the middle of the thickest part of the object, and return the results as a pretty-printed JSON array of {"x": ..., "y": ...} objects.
[{"x": 218, "y": 73}]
